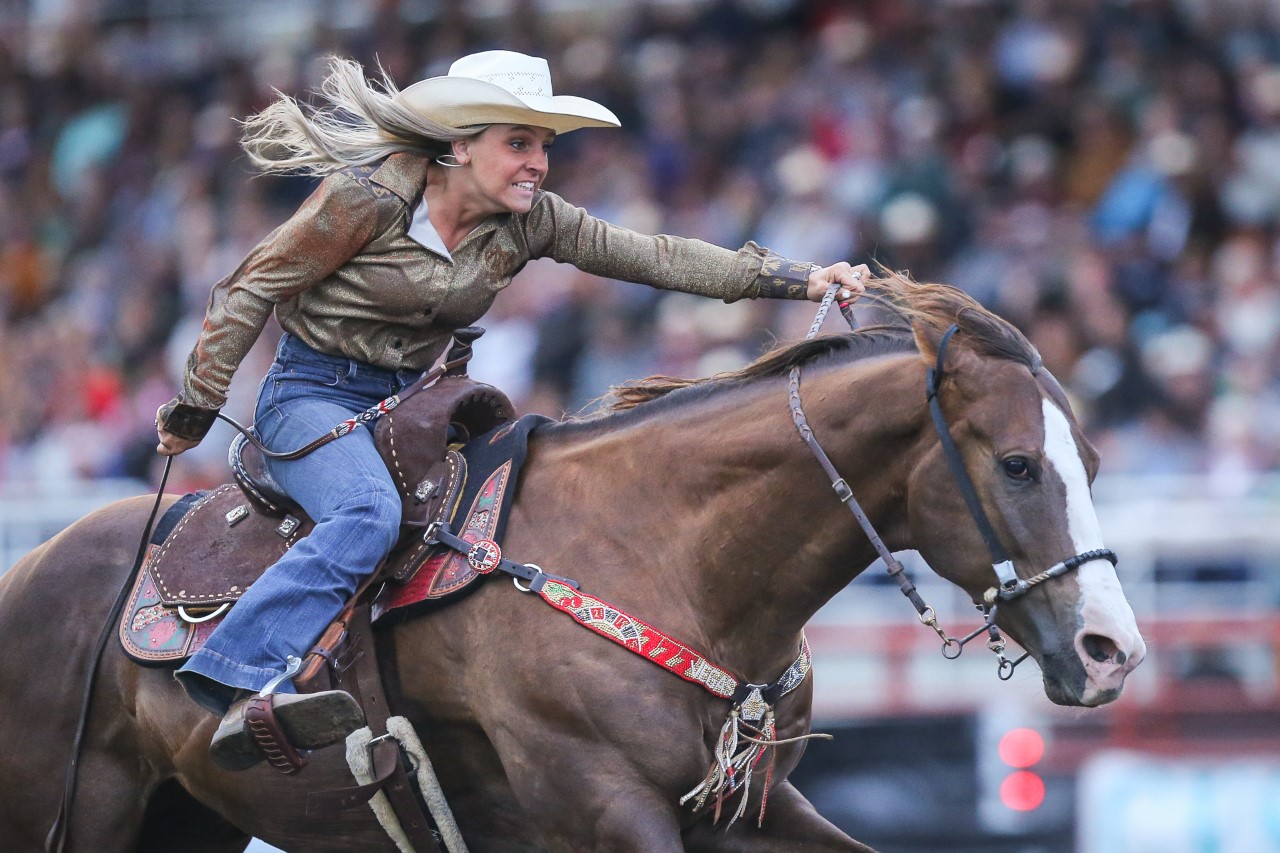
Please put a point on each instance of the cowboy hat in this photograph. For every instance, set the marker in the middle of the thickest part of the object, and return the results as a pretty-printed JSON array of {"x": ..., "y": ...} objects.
[{"x": 502, "y": 87}]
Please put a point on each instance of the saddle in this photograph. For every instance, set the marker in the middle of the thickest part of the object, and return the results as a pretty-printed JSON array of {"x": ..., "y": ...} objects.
[
  {"x": 223, "y": 540},
  {"x": 418, "y": 441}
]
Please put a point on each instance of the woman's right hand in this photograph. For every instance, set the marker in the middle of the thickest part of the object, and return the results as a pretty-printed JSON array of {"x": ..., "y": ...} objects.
[{"x": 821, "y": 279}]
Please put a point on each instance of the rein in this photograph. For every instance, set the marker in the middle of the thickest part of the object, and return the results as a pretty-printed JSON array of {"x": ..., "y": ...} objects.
[
  {"x": 369, "y": 415},
  {"x": 57, "y": 839},
  {"x": 1009, "y": 586}
]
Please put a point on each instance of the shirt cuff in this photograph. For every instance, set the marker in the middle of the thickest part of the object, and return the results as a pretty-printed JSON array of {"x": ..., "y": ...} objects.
[
  {"x": 782, "y": 278},
  {"x": 185, "y": 420}
]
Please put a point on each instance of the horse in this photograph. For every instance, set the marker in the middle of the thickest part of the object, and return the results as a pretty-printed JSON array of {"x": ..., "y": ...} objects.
[{"x": 692, "y": 504}]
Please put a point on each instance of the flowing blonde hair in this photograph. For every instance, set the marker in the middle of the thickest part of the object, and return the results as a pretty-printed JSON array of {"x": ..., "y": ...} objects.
[{"x": 361, "y": 123}]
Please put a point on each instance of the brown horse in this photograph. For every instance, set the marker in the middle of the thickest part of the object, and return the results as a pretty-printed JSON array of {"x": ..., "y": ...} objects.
[{"x": 700, "y": 511}]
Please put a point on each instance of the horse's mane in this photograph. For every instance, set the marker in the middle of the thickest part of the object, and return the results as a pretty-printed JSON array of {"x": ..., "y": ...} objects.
[{"x": 934, "y": 307}]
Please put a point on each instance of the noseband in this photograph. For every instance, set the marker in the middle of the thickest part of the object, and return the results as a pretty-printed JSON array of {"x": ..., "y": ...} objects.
[{"x": 1009, "y": 586}]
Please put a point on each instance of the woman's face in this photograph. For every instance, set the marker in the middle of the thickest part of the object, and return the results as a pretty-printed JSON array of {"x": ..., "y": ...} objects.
[{"x": 507, "y": 163}]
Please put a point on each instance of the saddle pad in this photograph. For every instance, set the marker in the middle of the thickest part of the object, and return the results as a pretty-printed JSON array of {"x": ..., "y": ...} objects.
[
  {"x": 152, "y": 633},
  {"x": 494, "y": 461}
]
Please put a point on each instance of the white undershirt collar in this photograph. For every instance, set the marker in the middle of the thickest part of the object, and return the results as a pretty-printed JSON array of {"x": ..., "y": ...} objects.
[{"x": 422, "y": 232}]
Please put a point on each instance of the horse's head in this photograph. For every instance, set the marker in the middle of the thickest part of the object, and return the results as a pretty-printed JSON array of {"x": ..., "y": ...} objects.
[
  {"x": 1019, "y": 446},
  {"x": 1031, "y": 470}
]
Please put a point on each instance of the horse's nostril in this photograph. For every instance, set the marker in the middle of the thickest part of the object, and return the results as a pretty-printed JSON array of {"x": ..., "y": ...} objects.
[{"x": 1102, "y": 649}]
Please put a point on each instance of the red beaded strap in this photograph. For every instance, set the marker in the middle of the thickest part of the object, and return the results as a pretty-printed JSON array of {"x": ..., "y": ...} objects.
[{"x": 647, "y": 641}]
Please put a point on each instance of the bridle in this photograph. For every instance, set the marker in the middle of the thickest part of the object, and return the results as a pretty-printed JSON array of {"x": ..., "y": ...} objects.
[{"x": 1009, "y": 586}]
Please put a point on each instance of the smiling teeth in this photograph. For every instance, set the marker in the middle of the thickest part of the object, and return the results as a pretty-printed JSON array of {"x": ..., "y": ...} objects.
[{"x": 525, "y": 185}]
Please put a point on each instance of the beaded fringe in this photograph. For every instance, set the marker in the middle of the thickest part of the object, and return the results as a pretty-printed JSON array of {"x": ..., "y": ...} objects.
[{"x": 733, "y": 767}]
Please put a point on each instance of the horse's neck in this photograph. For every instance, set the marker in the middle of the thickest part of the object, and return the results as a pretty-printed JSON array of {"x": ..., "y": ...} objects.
[{"x": 721, "y": 509}]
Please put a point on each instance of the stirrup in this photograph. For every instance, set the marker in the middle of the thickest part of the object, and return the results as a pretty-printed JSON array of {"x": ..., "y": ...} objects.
[{"x": 268, "y": 727}]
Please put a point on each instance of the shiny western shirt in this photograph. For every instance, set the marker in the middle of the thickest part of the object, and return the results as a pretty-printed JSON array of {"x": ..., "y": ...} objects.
[{"x": 344, "y": 276}]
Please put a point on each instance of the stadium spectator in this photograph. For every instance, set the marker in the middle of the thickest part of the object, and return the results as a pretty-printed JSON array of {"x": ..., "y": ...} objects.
[{"x": 1104, "y": 174}]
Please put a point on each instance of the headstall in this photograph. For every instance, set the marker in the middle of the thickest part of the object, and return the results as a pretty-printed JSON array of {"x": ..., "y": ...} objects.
[{"x": 1008, "y": 585}]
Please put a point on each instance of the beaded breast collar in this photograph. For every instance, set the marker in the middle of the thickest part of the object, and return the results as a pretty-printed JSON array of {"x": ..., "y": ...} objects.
[{"x": 749, "y": 729}]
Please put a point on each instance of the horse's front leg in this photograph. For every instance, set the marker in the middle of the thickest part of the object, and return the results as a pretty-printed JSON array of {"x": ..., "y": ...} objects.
[
  {"x": 791, "y": 825},
  {"x": 626, "y": 818},
  {"x": 587, "y": 796}
]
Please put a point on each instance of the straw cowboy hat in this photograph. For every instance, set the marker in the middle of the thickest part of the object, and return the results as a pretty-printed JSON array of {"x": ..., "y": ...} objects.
[{"x": 502, "y": 87}]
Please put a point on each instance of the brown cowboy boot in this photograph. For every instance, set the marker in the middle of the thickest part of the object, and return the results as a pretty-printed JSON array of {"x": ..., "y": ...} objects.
[{"x": 308, "y": 721}]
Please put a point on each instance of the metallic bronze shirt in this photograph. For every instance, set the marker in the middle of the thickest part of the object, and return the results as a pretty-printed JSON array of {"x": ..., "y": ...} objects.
[{"x": 343, "y": 275}]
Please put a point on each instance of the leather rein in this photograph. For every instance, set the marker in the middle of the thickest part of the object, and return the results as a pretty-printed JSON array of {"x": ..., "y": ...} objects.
[
  {"x": 1009, "y": 586},
  {"x": 369, "y": 415}
]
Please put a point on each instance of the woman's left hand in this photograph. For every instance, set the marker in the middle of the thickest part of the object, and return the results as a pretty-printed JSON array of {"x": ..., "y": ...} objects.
[
  {"x": 842, "y": 273},
  {"x": 170, "y": 444}
]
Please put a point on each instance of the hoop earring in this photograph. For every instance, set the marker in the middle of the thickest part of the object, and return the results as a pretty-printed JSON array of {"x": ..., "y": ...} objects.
[{"x": 444, "y": 158}]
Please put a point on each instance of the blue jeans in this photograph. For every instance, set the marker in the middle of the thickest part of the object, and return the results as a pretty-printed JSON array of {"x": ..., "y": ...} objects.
[{"x": 346, "y": 489}]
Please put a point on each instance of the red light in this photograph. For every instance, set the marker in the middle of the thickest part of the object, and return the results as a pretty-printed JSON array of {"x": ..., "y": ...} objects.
[
  {"x": 1022, "y": 791},
  {"x": 1021, "y": 747}
]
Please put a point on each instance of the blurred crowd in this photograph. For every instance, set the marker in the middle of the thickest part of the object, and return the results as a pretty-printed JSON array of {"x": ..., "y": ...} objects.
[{"x": 1104, "y": 173}]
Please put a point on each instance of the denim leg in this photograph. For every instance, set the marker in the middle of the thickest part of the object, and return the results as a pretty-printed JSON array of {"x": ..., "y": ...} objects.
[{"x": 347, "y": 489}]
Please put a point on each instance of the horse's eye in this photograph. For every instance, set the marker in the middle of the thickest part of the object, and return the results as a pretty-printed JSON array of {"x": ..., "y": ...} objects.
[{"x": 1017, "y": 468}]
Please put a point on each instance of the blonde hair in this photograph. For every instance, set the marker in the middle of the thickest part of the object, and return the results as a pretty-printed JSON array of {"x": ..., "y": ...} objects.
[{"x": 361, "y": 123}]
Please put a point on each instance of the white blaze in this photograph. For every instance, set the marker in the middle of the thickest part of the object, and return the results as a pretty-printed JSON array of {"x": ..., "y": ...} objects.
[{"x": 1104, "y": 608}]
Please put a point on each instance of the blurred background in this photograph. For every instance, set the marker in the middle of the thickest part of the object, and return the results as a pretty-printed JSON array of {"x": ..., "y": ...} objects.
[{"x": 1104, "y": 173}]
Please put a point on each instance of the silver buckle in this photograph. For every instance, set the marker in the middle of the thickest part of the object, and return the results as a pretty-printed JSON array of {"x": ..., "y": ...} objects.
[{"x": 535, "y": 567}]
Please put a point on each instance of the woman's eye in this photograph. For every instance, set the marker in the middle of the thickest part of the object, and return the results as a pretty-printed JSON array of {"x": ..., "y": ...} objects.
[{"x": 1017, "y": 468}]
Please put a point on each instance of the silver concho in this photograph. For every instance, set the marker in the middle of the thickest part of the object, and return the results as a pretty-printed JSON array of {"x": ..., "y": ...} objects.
[{"x": 484, "y": 556}]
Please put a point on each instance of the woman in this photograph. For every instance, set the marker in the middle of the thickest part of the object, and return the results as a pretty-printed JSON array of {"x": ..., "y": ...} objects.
[{"x": 432, "y": 201}]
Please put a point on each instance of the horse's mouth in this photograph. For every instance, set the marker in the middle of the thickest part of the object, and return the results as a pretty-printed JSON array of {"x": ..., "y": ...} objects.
[
  {"x": 1088, "y": 672},
  {"x": 1062, "y": 694},
  {"x": 1067, "y": 682}
]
